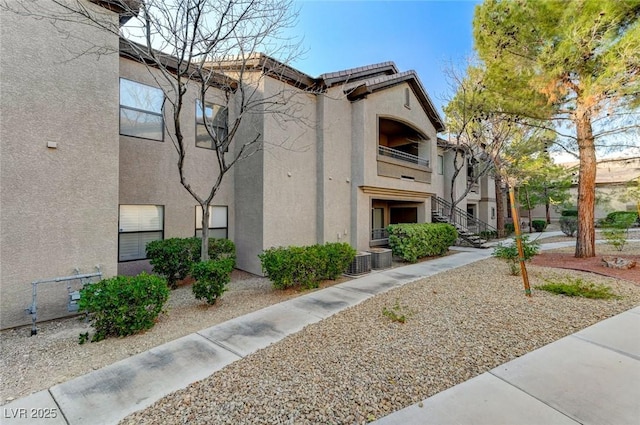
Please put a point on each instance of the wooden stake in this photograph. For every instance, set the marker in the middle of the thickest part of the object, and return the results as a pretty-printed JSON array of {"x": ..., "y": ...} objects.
[{"x": 516, "y": 226}]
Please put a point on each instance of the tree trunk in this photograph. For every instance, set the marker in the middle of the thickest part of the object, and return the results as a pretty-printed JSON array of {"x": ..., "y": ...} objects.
[
  {"x": 585, "y": 239},
  {"x": 499, "y": 206},
  {"x": 204, "y": 247},
  {"x": 526, "y": 194},
  {"x": 547, "y": 206}
]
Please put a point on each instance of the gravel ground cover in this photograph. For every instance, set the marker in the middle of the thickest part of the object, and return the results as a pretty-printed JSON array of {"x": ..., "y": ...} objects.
[
  {"x": 360, "y": 365},
  {"x": 353, "y": 367},
  {"x": 29, "y": 364}
]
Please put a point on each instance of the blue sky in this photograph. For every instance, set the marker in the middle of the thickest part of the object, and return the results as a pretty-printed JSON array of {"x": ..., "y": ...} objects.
[{"x": 421, "y": 35}]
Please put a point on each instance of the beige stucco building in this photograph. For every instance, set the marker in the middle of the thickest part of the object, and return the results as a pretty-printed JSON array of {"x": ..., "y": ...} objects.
[
  {"x": 89, "y": 175},
  {"x": 614, "y": 178}
]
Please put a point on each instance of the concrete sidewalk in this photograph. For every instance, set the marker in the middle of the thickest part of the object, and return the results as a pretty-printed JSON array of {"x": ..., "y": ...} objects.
[
  {"x": 107, "y": 395},
  {"x": 590, "y": 377}
]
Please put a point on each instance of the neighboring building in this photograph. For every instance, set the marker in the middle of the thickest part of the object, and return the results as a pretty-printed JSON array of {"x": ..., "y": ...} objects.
[
  {"x": 89, "y": 173},
  {"x": 613, "y": 177}
]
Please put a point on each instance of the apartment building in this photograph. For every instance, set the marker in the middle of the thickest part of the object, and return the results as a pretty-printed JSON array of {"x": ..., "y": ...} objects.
[{"x": 89, "y": 174}]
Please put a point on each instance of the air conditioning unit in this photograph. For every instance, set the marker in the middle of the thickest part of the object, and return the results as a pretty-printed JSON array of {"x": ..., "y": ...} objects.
[
  {"x": 360, "y": 265},
  {"x": 380, "y": 258}
]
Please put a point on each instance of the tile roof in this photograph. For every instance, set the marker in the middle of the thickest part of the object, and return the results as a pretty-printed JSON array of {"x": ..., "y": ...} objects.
[
  {"x": 361, "y": 88},
  {"x": 340, "y": 77}
]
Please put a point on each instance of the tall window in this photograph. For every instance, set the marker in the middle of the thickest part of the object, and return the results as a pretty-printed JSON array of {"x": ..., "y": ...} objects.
[
  {"x": 440, "y": 164},
  {"x": 218, "y": 221},
  {"x": 215, "y": 116},
  {"x": 141, "y": 110},
  {"x": 138, "y": 225}
]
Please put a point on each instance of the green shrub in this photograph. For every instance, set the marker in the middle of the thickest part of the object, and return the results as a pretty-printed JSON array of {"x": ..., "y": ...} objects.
[
  {"x": 173, "y": 258},
  {"x": 418, "y": 240},
  {"x": 488, "y": 234},
  {"x": 398, "y": 313},
  {"x": 621, "y": 219},
  {"x": 569, "y": 213},
  {"x": 569, "y": 225},
  {"x": 576, "y": 287},
  {"x": 539, "y": 225},
  {"x": 123, "y": 305},
  {"x": 307, "y": 265},
  {"x": 222, "y": 248},
  {"x": 509, "y": 228},
  {"x": 211, "y": 277},
  {"x": 616, "y": 227},
  {"x": 511, "y": 255},
  {"x": 340, "y": 256},
  {"x": 616, "y": 237}
]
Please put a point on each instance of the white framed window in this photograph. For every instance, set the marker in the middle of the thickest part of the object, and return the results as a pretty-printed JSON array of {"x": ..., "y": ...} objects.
[
  {"x": 440, "y": 164},
  {"x": 141, "y": 110},
  {"x": 214, "y": 116},
  {"x": 407, "y": 98},
  {"x": 218, "y": 221},
  {"x": 137, "y": 226}
]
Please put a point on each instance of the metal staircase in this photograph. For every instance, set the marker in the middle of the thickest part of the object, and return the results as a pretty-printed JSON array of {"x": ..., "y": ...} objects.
[{"x": 471, "y": 231}]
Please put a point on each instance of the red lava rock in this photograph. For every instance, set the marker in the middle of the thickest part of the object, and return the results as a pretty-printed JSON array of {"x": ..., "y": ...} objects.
[{"x": 592, "y": 264}]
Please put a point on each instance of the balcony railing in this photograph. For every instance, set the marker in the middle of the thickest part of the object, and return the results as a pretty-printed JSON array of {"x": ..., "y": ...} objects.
[
  {"x": 379, "y": 237},
  {"x": 402, "y": 156},
  {"x": 377, "y": 234}
]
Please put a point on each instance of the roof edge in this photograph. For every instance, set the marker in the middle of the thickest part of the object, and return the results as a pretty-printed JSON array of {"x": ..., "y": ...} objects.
[
  {"x": 410, "y": 77},
  {"x": 331, "y": 79}
]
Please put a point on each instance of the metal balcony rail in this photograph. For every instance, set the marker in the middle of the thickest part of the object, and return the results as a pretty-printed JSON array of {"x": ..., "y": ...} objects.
[
  {"x": 402, "y": 156},
  {"x": 378, "y": 234},
  {"x": 462, "y": 220}
]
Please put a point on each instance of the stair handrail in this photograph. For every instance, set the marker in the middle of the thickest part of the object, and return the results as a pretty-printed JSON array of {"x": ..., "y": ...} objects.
[{"x": 463, "y": 220}]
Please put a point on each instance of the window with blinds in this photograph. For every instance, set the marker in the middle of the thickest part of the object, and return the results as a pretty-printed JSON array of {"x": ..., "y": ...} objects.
[{"x": 138, "y": 225}]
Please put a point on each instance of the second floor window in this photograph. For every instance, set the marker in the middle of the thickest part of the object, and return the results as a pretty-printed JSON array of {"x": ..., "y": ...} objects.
[
  {"x": 141, "y": 110},
  {"x": 212, "y": 116}
]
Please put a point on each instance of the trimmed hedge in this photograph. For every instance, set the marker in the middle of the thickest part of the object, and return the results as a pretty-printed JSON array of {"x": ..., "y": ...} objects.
[
  {"x": 417, "y": 240},
  {"x": 174, "y": 257},
  {"x": 539, "y": 225},
  {"x": 211, "y": 278},
  {"x": 222, "y": 248},
  {"x": 620, "y": 219},
  {"x": 306, "y": 265},
  {"x": 569, "y": 213},
  {"x": 123, "y": 305}
]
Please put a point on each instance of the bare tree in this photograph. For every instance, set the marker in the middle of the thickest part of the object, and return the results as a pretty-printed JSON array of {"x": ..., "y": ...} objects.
[
  {"x": 226, "y": 46},
  {"x": 477, "y": 135}
]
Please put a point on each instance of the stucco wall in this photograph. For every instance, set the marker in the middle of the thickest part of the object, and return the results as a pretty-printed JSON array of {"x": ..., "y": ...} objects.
[
  {"x": 248, "y": 195},
  {"x": 59, "y": 206},
  {"x": 149, "y": 171},
  {"x": 334, "y": 168},
  {"x": 290, "y": 169}
]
